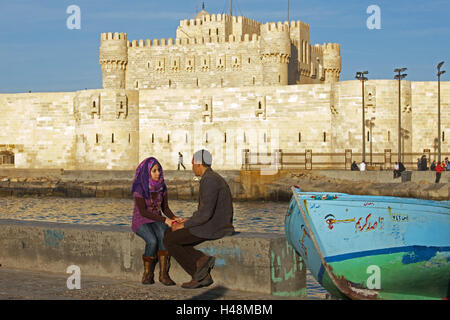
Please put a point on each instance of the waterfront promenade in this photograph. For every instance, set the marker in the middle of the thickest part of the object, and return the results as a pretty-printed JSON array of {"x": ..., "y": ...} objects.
[{"x": 17, "y": 284}]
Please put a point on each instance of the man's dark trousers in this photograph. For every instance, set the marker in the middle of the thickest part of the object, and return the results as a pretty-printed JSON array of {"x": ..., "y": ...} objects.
[{"x": 181, "y": 244}]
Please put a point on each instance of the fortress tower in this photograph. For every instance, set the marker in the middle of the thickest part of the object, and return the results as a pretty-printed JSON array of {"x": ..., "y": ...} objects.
[
  {"x": 113, "y": 59},
  {"x": 275, "y": 53},
  {"x": 332, "y": 61}
]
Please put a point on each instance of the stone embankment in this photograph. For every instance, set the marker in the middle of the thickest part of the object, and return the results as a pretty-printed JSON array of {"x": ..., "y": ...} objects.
[
  {"x": 244, "y": 185},
  {"x": 424, "y": 188}
]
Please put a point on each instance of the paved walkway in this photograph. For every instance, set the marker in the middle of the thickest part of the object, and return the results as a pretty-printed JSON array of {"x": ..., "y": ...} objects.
[{"x": 18, "y": 284}]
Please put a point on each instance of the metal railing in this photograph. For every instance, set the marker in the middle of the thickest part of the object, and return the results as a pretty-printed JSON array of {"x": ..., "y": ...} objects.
[{"x": 309, "y": 160}]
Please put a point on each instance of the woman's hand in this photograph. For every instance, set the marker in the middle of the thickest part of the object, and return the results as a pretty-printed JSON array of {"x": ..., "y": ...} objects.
[{"x": 169, "y": 222}]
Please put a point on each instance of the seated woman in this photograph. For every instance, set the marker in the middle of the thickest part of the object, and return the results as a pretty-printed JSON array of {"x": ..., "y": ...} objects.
[{"x": 150, "y": 196}]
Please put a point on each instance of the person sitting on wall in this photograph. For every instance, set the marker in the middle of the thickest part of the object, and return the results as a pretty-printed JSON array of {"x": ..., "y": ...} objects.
[
  {"x": 433, "y": 166},
  {"x": 150, "y": 196},
  {"x": 212, "y": 220},
  {"x": 362, "y": 166},
  {"x": 396, "y": 170},
  {"x": 354, "y": 166}
]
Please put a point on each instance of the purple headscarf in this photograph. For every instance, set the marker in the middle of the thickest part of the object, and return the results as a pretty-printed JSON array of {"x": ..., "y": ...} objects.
[{"x": 143, "y": 183}]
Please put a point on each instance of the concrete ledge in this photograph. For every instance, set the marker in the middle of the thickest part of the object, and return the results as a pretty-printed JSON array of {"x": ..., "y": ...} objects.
[{"x": 263, "y": 263}]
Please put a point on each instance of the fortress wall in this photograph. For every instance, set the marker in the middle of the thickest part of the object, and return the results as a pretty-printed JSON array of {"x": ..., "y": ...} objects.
[
  {"x": 425, "y": 115},
  {"x": 261, "y": 119},
  {"x": 38, "y": 128},
  {"x": 214, "y": 64},
  {"x": 106, "y": 132},
  {"x": 381, "y": 105}
]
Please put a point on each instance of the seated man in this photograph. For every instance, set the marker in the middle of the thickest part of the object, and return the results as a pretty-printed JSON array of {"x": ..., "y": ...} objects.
[{"x": 212, "y": 220}]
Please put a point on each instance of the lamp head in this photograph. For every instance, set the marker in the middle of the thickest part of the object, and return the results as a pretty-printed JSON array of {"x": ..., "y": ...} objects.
[{"x": 440, "y": 65}]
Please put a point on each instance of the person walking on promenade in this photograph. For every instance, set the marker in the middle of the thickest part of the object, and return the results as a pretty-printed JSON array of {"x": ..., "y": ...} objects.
[
  {"x": 212, "y": 220},
  {"x": 447, "y": 164},
  {"x": 439, "y": 169},
  {"x": 180, "y": 161},
  {"x": 150, "y": 196}
]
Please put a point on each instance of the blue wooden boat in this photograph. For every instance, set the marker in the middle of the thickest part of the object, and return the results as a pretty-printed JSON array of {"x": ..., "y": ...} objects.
[{"x": 372, "y": 247}]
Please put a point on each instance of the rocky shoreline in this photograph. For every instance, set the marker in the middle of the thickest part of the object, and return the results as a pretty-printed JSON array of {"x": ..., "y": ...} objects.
[{"x": 185, "y": 187}]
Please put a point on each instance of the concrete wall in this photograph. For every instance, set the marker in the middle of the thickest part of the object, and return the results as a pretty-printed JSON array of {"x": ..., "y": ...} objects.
[{"x": 261, "y": 263}]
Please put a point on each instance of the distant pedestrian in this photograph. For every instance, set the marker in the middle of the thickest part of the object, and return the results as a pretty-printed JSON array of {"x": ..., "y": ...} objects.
[
  {"x": 354, "y": 166},
  {"x": 433, "y": 166},
  {"x": 362, "y": 166},
  {"x": 180, "y": 161},
  {"x": 418, "y": 164},
  {"x": 439, "y": 169},
  {"x": 396, "y": 170},
  {"x": 447, "y": 164},
  {"x": 423, "y": 163}
]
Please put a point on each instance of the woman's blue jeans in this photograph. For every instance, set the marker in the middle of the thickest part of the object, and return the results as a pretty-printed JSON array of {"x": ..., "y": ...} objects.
[{"x": 153, "y": 234}]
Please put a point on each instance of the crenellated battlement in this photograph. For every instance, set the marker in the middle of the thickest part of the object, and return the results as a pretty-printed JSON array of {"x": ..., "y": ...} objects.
[
  {"x": 163, "y": 42},
  {"x": 275, "y": 27},
  {"x": 116, "y": 36}
]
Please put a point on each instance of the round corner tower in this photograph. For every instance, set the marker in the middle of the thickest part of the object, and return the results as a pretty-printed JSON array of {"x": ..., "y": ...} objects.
[
  {"x": 275, "y": 51},
  {"x": 332, "y": 62},
  {"x": 113, "y": 59}
]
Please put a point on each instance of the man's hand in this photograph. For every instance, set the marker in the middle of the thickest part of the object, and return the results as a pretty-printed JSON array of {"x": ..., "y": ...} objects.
[{"x": 177, "y": 226}]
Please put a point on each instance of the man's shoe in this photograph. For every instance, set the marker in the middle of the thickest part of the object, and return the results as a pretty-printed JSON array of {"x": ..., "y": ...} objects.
[
  {"x": 207, "y": 281},
  {"x": 193, "y": 284},
  {"x": 204, "y": 266}
]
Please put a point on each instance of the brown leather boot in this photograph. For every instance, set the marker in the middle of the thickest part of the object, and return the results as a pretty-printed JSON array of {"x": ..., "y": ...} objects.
[
  {"x": 149, "y": 268},
  {"x": 164, "y": 266}
]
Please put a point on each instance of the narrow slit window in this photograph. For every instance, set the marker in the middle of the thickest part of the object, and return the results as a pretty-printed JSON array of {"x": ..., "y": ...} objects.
[
  {"x": 324, "y": 137},
  {"x": 168, "y": 138},
  {"x": 129, "y": 138},
  {"x": 225, "y": 137},
  {"x": 112, "y": 138},
  {"x": 299, "y": 137},
  {"x": 96, "y": 138},
  {"x": 153, "y": 138}
]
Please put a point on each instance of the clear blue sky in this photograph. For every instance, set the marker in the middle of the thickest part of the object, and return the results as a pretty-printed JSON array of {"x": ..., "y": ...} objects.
[{"x": 39, "y": 53}]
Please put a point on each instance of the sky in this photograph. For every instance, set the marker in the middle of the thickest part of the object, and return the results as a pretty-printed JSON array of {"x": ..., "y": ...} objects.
[{"x": 38, "y": 52}]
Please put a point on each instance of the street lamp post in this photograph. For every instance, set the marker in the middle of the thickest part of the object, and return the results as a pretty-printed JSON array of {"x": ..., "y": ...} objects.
[
  {"x": 370, "y": 123},
  {"x": 399, "y": 76},
  {"x": 361, "y": 76},
  {"x": 439, "y": 107}
]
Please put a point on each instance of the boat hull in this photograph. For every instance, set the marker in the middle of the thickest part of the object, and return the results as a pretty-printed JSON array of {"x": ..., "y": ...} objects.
[{"x": 372, "y": 247}]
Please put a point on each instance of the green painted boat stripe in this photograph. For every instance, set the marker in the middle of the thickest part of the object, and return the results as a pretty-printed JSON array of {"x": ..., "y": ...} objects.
[{"x": 359, "y": 254}]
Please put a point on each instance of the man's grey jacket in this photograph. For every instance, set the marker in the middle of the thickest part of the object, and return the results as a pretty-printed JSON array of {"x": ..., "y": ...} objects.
[{"x": 214, "y": 216}]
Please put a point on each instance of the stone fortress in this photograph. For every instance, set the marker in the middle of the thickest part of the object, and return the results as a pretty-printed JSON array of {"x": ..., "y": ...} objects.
[{"x": 226, "y": 84}]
